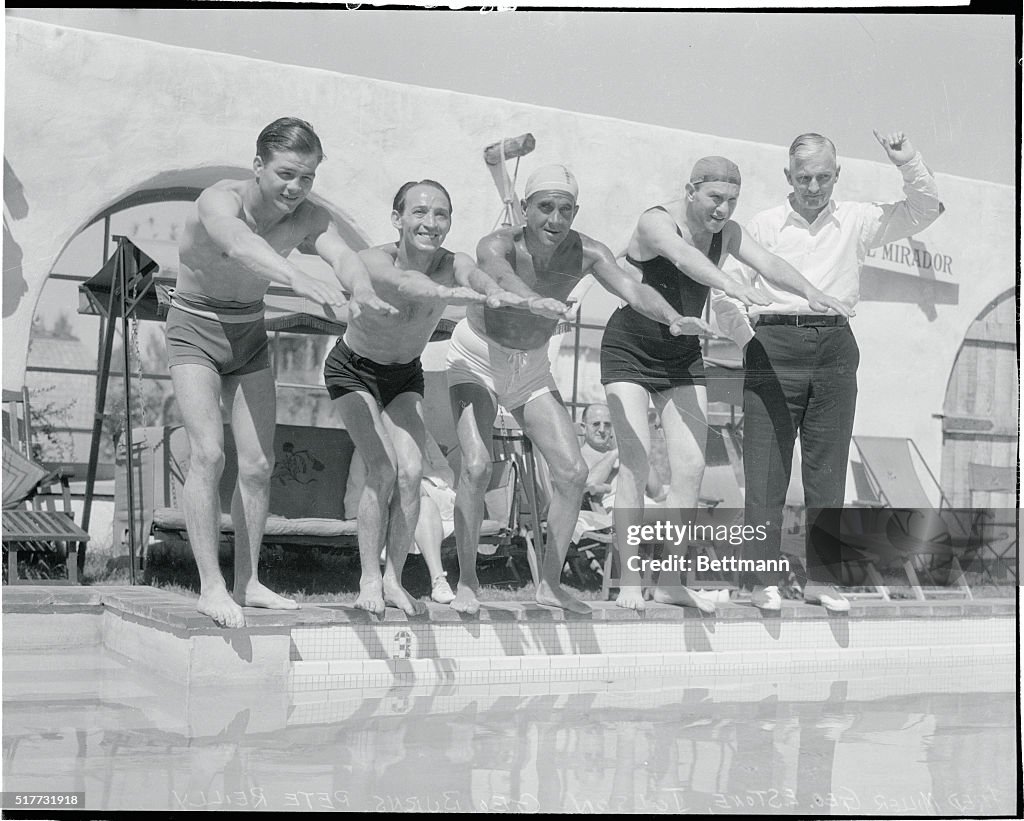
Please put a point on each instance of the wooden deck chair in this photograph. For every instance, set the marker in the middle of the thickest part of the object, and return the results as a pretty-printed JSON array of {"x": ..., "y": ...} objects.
[
  {"x": 932, "y": 536},
  {"x": 993, "y": 493},
  {"x": 32, "y": 521}
]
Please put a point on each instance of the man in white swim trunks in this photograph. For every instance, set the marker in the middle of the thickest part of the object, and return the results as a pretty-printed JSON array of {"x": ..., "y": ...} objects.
[{"x": 500, "y": 356}]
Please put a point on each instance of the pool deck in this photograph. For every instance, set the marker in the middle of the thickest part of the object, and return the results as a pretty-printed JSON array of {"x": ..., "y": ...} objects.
[
  {"x": 177, "y": 612},
  {"x": 323, "y": 647}
]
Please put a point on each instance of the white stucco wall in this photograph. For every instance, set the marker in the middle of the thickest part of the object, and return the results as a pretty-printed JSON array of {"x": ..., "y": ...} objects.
[{"x": 93, "y": 117}]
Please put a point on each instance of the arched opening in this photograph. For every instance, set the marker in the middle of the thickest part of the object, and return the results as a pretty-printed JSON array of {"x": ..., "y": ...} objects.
[
  {"x": 64, "y": 344},
  {"x": 980, "y": 411}
]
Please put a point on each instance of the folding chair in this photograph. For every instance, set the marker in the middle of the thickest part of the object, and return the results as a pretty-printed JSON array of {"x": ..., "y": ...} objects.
[
  {"x": 32, "y": 522},
  {"x": 920, "y": 534},
  {"x": 997, "y": 523}
]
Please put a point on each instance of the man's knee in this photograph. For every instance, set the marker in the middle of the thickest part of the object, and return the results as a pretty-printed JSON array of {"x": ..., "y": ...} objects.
[
  {"x": 381, "y": 477},
  {"x": 255, "y": 469},
  {"x": 692, "y": 470},
  {"x": 206, "y": 458},
  {"x": 569, "y": 473},
  {"x": 476, "y": 469},
  {"x": 408, "y": 479}
]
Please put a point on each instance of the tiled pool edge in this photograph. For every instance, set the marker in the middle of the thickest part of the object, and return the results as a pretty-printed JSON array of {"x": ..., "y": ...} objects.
[{"x": 333, "y": 647}]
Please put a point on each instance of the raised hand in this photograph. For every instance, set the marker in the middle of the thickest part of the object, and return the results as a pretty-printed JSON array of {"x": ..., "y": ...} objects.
[
  {"x": 688, "y": 326},
  {"x": 460, "y": 295},
  {"x": 821, "y": 302},
  {"x": 896, "y": 145},
  {"x": 316, "y": 290}
]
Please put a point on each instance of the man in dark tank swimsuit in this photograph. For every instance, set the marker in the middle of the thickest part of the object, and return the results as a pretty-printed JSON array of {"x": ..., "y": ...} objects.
[
  {"x": 500, "y": 356},
  {"x": 678, "y": 247}
]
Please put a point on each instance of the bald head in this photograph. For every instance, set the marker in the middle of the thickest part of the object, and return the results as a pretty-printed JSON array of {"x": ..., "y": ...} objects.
[{"x": 597, "y": 427}]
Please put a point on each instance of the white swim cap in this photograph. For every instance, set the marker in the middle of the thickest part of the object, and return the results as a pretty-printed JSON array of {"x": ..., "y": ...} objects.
[{"x": 556, "y": 178}]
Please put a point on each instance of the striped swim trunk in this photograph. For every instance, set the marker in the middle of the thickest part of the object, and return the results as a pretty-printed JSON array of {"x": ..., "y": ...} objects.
[{"x": 229, "y": 337}]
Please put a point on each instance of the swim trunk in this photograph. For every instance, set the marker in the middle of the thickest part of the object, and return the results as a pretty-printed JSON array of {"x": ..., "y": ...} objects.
[
  {"x": 512, "y": 376},
  {"x": 649, "y": 357},
  {"x": 229, "y": 337},
  {"x": 347, "y": 372}
]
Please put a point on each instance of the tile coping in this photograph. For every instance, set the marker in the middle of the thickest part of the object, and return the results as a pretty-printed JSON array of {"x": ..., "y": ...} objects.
[{"x": 177, "y": 612}]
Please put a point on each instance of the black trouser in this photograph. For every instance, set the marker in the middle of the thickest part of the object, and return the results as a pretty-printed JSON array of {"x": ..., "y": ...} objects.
[{"x": 798, "y": 380}]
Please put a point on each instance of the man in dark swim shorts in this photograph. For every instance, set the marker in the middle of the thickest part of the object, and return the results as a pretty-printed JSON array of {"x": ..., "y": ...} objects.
[
  {"x": 374, "y": 373},
  {"x": 229, "y": 337}
]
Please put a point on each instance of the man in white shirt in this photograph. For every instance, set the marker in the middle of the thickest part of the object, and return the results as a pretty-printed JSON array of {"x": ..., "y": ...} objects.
[{"x": 801, "y": 367}]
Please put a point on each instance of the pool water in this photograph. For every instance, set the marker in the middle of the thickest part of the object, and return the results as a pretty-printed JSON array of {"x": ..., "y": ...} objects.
[{"x": 915, "y": 741}]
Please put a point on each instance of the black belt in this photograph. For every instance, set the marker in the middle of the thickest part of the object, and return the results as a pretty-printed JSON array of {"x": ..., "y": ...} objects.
[{"x": 802, "y": 319}]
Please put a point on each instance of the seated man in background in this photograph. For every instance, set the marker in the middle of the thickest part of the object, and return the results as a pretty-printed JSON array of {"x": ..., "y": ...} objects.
[
  {"x": 437, "y": 512},
  {"x": 601, "y": 454}
]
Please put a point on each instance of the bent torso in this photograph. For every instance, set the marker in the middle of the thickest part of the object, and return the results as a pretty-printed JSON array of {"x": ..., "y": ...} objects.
[
  {"x": 517, "y": 327},
  {"x": 401, "y": 337},
  {"x": 205, "y": 268}
]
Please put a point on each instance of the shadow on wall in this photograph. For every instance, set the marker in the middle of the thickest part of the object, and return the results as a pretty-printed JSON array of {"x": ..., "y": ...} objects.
[{"x": 15, "y": 208}]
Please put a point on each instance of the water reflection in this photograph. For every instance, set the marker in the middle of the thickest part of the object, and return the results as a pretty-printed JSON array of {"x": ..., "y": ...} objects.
[{"x": 829, "y": 748}]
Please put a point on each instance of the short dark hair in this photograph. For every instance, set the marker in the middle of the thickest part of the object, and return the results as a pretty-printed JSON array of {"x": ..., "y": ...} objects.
[
  {"x": 399, "y": 202},
  {"x": 288, "y": 134}
]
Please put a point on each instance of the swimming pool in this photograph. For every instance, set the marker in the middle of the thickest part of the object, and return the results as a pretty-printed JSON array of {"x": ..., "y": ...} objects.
[{"x": 926, "y": 739}]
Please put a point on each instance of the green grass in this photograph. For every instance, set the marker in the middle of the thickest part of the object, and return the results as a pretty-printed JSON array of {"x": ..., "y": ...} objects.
[{"x": 315, "y": 574}]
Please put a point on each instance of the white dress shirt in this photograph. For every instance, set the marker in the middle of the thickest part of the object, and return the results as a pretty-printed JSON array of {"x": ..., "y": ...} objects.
[{"x": 829, "y": 252}]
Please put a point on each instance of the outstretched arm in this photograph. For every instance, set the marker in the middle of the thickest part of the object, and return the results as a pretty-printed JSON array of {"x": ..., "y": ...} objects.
[
  {"x": 414, "y": 284},
  {"x": 349, "y": 269},
  {"x": 218, "y": 214},
  {"x": 657, "y": 233},
  {"x": 643, "y": 298},
  {"x": 492, "y": 257},
  {"x": 779, "y": 272},
  {"x": 468, "y": 275}
]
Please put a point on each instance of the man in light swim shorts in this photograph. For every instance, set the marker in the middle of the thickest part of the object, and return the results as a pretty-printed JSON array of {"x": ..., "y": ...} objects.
[
  {"x": 233, "y": 247},
  {"x": 500, "y": 355}
]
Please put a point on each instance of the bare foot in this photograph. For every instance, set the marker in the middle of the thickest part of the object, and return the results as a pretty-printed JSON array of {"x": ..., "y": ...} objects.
[
  {"x": 257, "y": 595},
  {"x": 632, "y": 598},
  {"x": 465, "y": 600},
  {"x": 683, "y": 597},
  {"x": 220, "y": 607},
  {"x": 559, "y": 597},
  {"x": 371, "y": 598},
  {"x": 397, "y": 596}
]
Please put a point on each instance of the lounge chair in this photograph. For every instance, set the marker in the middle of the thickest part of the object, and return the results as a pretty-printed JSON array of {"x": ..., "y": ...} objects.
[
  {"x": 37, "y": 519},
  {"x": 993, "y": 493},
  {"x": 899, "y": 524}
]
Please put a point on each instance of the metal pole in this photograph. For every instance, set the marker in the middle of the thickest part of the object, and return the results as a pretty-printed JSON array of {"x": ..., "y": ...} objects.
[
  {"x": 122, "y": 287},
  {"x": 100, "y": 347},
  {"x": 107, "y": 327},
  {"x": 576, "y": 361}
]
